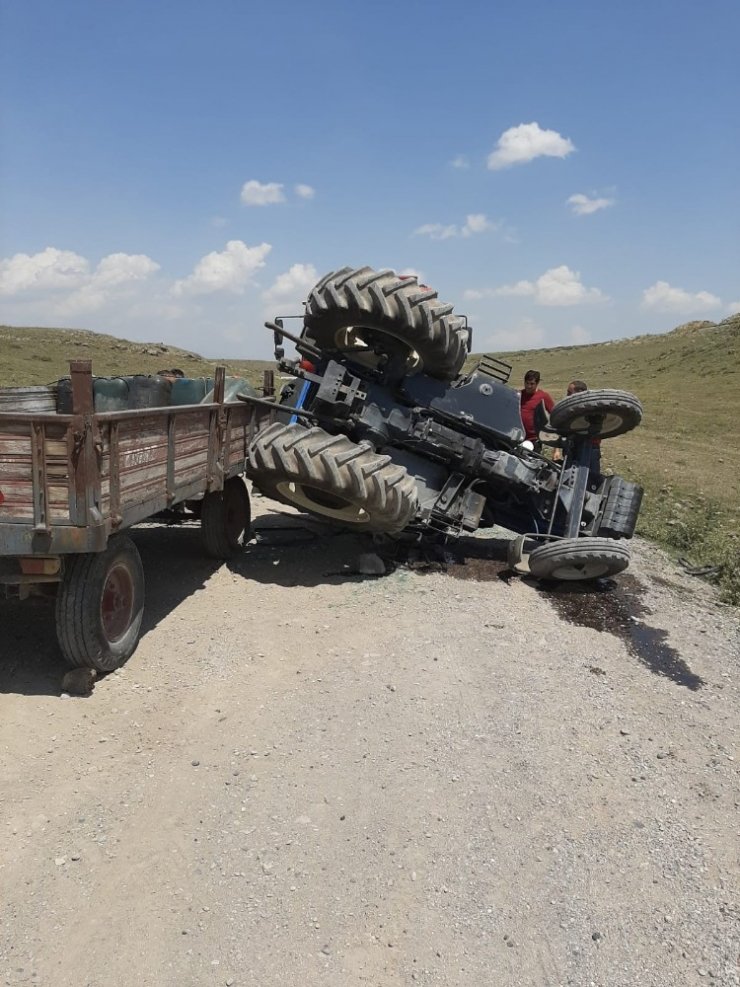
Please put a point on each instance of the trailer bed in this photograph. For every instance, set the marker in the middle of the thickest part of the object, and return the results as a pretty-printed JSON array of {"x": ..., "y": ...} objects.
[{"x": 71, "y": 484}]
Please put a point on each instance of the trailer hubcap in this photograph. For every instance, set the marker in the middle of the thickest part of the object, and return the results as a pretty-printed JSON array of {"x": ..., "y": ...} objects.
[{"x": 117, "y": 603}]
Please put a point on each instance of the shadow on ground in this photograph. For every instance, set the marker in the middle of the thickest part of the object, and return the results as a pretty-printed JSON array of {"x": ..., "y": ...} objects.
[
  {"x": 30, "y": 660},
  {"x": 615, "y": 606},
  {"x": 287, "y": 550},
  {"x": 292, "y": 549}
]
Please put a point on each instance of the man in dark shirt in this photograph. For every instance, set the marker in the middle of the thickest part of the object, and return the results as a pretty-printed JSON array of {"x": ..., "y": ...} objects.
[
  {"x": 531, "y": 396},
  {"x": 594, "y": 469}
]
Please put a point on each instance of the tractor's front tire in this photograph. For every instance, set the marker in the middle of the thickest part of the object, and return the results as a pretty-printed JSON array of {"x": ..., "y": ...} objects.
[
  {"x": 601, "y": 414},
  {"x": 579, "y": 558}
]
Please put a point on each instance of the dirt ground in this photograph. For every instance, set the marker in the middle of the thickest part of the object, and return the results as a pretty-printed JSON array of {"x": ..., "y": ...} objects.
[{"x": 440, "y": 776}]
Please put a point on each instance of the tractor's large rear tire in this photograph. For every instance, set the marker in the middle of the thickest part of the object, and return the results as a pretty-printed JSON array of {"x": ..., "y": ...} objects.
[
  {"x": 332, "y": 477},
  {"x": 357, "y": 310},
  {"x": 603, "y": 414},
  {"x": 579, "y": 558},
  {"x": 100, "y": 604}
]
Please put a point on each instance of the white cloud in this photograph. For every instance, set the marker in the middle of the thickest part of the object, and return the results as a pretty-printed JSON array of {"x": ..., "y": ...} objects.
[
  {"x": 518, "y": 289},
  {"x": 304, "y": 191},
  {"x": 733, "y": 307},
  {"x": 123, "y": 295},
  {"x": 662, "y": 297},
  {"x": 228, "y": 270},
  {"x": 561, "y": 286},
  {"x": 254, "y": 193},
  {"x": 289, "y": 289},
  {"x": 49, "y": 270},
  {"x": 524, "y": 143},
  {"x": 437, "y": 231},
  {"x": 412, "y": 272},
  {"x": 558, "y": 286},
  {"x": 119, "y": 268},
  {"x": 579, "y": 336},
  {"x": 583, "y": 205},
  {"x": 112, "y": 278},
  {"x": 64, "y": 282},
  {"x": 460, "y": 162},
  {"x": 524, "y": 335},
  {"x": 474, "y": 223}
]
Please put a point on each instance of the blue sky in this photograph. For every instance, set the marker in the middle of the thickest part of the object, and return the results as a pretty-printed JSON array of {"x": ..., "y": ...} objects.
[{"x": 180, "y": 170}]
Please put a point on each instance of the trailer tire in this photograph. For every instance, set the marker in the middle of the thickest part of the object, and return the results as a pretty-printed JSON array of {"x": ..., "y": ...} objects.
[
  {"x": 332, "y": 477},
  {"x": 357, "y": 306},
  {"x": 225, "y": 519},
  {"x": 100, "y": 605},
  {"x": 579, "y": 558},
  {"x": 616, "y": 412}
]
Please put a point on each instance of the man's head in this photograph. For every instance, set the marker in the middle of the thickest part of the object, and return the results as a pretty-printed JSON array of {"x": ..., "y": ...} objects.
[
  {"x": 171, "y": 375},
  {"x": 576, "y": 386},
  {"x": 531, "y": 381}
]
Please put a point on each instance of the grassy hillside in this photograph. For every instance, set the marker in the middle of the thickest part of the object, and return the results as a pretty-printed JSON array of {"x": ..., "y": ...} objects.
[
  {"x": 689, "y": 383},
  {"x": 40, "y": 356},
  {"x": 685, "y": 453},
  {"x": 687, "y": 450}
]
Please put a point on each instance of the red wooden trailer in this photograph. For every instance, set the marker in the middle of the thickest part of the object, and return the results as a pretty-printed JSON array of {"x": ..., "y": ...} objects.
[{"x": 71, "y": 484}]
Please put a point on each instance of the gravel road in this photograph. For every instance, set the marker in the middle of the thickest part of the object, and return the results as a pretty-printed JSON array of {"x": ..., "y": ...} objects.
[{"x": 441, "y": 776}]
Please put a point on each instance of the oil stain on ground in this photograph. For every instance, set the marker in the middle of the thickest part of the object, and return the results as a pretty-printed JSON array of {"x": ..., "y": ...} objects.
[
  {"x": 480, "y": 570},
  {"x": 615, "y": 607},
  {"x": 611, "y": 606}
]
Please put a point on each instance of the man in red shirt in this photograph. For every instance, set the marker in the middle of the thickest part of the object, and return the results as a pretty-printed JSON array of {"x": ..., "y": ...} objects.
[{"x": 531, "y": 396}]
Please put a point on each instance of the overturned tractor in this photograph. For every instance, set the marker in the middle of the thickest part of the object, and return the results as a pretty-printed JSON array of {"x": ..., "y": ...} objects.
[{"x": 381, "y": 430}]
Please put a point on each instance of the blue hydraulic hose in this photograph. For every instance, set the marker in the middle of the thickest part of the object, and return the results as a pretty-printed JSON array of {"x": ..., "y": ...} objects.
[{"x": 301, "y": 399}]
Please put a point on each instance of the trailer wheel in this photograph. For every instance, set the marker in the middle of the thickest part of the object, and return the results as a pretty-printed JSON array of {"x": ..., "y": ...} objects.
[
  {"x": 364, "y": 313},
  {"x": 579, "y": 558},
  {"x": 614, "y": 412},
  {"x": 333, "y": 477},
  {"x": 225, "y": 518},
  {"x": 100, "y": 605}
]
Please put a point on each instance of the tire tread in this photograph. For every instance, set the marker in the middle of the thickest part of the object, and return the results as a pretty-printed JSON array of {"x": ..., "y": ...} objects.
[
  {"x": 334, "y": 463},
  {"x": 384, "y": 301}
]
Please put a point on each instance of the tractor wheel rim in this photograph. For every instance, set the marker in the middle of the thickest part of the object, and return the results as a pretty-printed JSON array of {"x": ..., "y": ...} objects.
[
  {"x": 322, "y": 502},
  {"x": 354, "y": 336},
  {"x": 591, "y": 569},
  {"x": 607, "y": 423}
]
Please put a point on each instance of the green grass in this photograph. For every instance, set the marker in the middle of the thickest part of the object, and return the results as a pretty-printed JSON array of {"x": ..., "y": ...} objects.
[
  {"x": 687, "y": 450},
  {"x": 41, "y": 356},
  {"x": 685, "y": 453},
  {"x": 697, "y": 528}
]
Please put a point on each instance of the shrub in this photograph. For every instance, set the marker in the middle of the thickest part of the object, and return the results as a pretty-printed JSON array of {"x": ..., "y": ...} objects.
[{"x": 698, "y": 529}]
